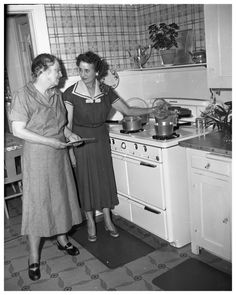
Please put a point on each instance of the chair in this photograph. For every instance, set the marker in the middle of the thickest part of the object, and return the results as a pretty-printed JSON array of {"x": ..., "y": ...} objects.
[{"x": 12, "y": 175}]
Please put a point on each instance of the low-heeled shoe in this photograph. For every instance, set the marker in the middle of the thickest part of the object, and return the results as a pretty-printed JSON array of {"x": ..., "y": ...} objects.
[
  {"x": 69, "y": 248},
  {"x": 92, "y": 238},
  {"x": 113, "y": 233},
  {"x": 34, "y": 271}
]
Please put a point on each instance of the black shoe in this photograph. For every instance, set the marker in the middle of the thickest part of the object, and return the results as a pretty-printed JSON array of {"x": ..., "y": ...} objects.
[
  {"x": 34, "y": 271},
  {"x": 69, "y": 248}
]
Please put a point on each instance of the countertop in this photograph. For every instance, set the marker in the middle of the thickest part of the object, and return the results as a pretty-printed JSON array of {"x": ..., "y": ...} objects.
[{"x": 212, "y": 142}]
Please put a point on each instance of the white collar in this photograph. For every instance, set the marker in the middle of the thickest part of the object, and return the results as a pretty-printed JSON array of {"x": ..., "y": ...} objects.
[{"x": 80, "y": 89}]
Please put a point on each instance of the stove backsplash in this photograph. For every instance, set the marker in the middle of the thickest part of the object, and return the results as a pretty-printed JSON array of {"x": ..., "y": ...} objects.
[{"x": 177, "y": 83}]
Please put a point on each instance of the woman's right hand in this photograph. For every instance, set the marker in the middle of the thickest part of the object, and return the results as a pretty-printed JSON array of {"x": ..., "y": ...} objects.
[{"x": 57, "y": 144}]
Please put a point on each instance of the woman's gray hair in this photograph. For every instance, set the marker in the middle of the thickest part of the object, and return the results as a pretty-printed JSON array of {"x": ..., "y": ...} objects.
[{"x": 41, "y": 63}]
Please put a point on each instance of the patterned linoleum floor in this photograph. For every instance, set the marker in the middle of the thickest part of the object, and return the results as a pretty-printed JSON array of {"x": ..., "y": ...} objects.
[{"x": 85, "y": 272}]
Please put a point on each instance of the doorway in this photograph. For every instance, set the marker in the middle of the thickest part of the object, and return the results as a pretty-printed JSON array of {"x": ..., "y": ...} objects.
[
  {"x": 18, "y": 51},
  {"x": 26, "y": 36}
]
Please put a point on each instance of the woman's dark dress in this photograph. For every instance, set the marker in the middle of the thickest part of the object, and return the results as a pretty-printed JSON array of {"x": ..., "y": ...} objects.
[{"x": 94, "y": 169}]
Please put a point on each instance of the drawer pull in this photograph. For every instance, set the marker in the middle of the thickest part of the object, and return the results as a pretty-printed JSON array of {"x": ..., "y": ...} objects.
[
  {"x": 207, "y": 166},
  {"x": 151, "y": 210},
  {"x": 225, "y": 220}
]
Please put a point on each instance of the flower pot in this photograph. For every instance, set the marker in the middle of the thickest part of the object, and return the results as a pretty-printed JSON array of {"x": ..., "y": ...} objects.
[
  {"x": 227, "y": 135},
  {"x": 167, "y": 57}
]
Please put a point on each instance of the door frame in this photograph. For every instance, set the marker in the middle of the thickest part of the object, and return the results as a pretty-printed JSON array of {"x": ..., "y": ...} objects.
[{"x": 37, "y": 23}]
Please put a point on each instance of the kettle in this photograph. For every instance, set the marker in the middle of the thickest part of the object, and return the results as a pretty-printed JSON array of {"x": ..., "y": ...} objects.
[{"x": 142, "y": 55}]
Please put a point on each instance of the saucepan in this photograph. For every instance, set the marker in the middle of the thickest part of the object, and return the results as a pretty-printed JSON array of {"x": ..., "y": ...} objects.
[
  {"x": 131, "y": 123},
  {"x": 165, "y": 127},
  {"x": 141, "y": 103}
]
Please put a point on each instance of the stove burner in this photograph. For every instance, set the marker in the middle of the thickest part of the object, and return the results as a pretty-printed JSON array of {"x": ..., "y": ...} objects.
[
  {"x": 131, "y": 131},
  {"x": 166, "y": 137}
]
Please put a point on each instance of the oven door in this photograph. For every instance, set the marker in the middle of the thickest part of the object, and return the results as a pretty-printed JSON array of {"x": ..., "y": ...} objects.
[{"x": 145, "y": 179}]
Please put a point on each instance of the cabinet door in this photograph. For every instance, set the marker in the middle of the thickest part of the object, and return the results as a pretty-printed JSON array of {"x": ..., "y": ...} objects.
[
  {"x": 211, "y": 214},
  {"x": 218, "y": 32}
]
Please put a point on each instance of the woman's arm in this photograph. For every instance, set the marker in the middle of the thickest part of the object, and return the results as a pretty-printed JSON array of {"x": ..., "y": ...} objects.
[
  {"x": 68, "y": 129},
  {"x": 19, "y": 129},
  {"x": 160, "y": 109},
  {"x": 69, "y": 108}
]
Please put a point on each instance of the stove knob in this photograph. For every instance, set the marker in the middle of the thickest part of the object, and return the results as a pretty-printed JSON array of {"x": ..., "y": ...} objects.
[
  {"x": 123, "y": 145},
  {"x": 136, "y": 146},
  {"x": 145, "y": 148}
]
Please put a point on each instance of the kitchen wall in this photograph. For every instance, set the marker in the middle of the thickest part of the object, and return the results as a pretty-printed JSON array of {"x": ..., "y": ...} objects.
[{"x": 110, "y": 30}]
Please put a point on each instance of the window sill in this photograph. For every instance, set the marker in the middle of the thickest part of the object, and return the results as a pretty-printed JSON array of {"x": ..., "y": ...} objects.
[{"x": 171, "y": 67}]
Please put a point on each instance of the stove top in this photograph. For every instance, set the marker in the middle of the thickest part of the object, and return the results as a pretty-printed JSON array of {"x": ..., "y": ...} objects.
[
  {"x": 166, "y": 137},
  {"x": 131, "y": 131},
  {"x": 149, "y": 136}
]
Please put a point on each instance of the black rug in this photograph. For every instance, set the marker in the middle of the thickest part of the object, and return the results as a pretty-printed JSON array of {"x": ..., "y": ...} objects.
[
  {"x": 113, "y": 252},
  {"x": 194, "y": 275}
]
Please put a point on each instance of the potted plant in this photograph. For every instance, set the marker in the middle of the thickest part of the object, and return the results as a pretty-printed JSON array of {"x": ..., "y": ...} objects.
[
  {"x": 163, "y": 37},
  {"x": 220, "y": 117}
]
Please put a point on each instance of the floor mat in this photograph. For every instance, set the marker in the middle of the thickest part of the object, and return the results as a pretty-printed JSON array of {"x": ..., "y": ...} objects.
[
  {"x": 194, "y": 275},
  {"x": 113, "y": 252}
]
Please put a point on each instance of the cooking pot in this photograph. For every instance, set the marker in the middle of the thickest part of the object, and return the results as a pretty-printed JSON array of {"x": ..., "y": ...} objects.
[
  {"x": 132, "y": 123},
  {"x": 165, "y": 127}
]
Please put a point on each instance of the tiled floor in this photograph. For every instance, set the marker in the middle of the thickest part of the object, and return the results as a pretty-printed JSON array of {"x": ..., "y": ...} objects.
[{"x": 84, "y": 272}]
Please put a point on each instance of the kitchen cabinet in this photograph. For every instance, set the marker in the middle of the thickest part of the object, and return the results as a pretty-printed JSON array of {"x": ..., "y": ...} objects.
[
  {"x": 218, "y": 34},
  {"x": 210, "y": 202}
]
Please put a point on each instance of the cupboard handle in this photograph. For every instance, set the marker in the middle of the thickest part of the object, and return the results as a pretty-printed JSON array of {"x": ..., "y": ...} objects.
[
  {"x": 225, "y": 220},
  {"x": 147, "y": 164},
  {"x": 207, "y": 166}
]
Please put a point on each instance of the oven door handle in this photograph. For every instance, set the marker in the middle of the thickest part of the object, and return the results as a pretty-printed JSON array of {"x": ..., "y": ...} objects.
[
  {"x": 147, "y": 164},
  {"x": 151, "y": 210},
  {"x": 139, "y": 162}
]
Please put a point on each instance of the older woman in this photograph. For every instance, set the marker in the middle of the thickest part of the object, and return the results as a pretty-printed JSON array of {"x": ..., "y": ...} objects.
[
  {"x": 50, "y": 202},
  {"x": 88, "y": 103}
]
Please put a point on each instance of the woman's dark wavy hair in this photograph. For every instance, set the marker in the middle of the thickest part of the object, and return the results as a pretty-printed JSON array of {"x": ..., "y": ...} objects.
[
  {"x": 41, "y": 63},
  {"x": 100, "y": 65}
]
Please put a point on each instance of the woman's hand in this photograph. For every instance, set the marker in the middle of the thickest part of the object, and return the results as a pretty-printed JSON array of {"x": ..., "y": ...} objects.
[
  {"x": 73, "y": 138},
  {"x": 57, "y": 144}
]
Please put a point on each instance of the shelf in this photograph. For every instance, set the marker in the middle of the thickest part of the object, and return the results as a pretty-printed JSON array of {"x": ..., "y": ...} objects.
[{"x": 171, "y": 67}]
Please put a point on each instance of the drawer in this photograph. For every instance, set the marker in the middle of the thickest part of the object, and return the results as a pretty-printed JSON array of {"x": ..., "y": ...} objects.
[
  {"x": 212, "y": 164},
  {"x": 154, "y": 222},
  {"x": 123, "y": 209}
]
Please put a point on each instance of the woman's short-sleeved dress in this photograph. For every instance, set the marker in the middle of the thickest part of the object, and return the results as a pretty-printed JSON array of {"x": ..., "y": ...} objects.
[
  {"x": 50, "y": 199},
  {"x": 94, "y": 169}
]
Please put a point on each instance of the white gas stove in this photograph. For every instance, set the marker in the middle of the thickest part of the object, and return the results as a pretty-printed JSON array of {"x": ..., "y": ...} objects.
[{"x": 151, "y": 178}]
